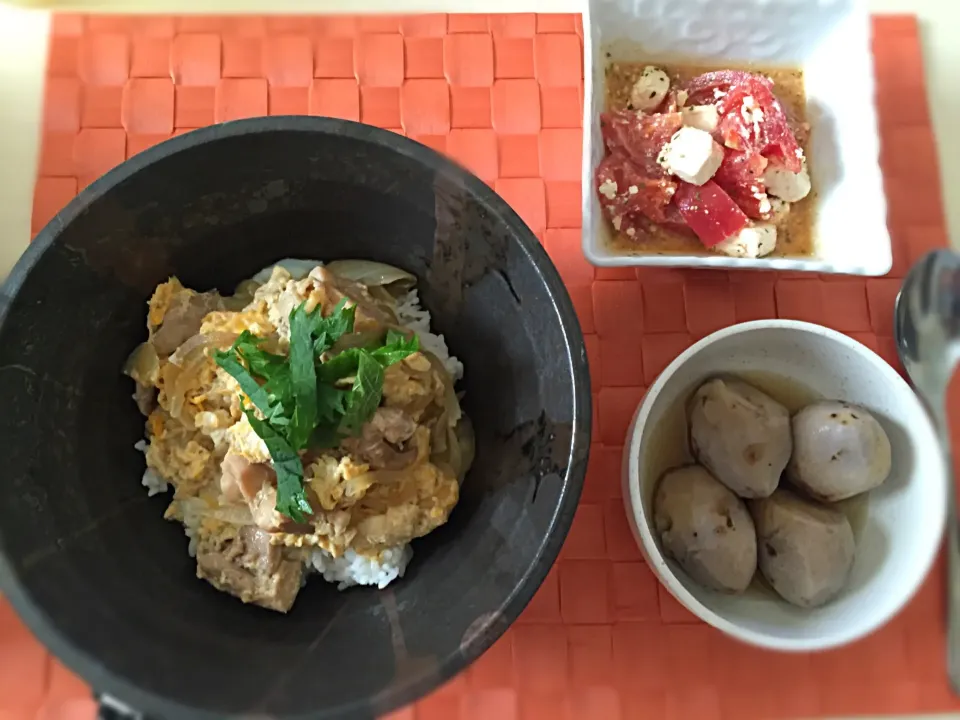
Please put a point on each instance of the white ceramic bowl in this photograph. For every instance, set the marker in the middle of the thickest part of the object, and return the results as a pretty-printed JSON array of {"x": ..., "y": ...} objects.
[
  {"x": 904, "y": 519},
  {"x": 829, "y": 40}
]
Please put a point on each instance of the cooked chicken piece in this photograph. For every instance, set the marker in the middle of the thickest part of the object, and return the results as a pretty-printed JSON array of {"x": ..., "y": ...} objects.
[
  {"x": 176, "y": 314},
  {"x": 243, "y": 562},
  {"x": 382, "y": 440},
  {"x": 394, "y": 424},
  {"x": 256, "y": 484},
  {"x": 374, "y": 450},
  {"x": 242, "y": 480}
]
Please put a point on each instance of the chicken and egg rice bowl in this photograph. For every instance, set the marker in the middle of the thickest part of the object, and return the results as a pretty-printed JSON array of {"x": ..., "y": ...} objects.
[{"x": 308, "y": 423}]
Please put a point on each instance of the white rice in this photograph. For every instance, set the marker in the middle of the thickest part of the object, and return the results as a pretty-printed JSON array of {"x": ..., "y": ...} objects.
[
  {"x": 192, "y": 517},
  {"x": 151, "y": 480},
  {"x": 414, "y": 317},
  {"x": 351, "y": 569}
]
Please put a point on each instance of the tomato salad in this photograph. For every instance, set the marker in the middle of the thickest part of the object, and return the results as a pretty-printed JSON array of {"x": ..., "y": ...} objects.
[{"x": 716, "y": 156}]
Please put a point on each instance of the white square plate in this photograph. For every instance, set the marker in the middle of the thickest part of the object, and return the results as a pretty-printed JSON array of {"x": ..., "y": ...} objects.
[{"x": 830, "y": 41}]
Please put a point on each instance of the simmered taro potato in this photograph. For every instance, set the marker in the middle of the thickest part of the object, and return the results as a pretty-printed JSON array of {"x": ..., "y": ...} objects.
[
  {"x": 741, "y": 435},
  {"x": 839, "y": 450},
  {"x": 805, "y": 549},
  {"x": 706, "y": 529}
]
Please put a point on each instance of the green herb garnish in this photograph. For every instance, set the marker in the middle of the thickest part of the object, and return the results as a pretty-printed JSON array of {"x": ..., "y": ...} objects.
[
  {"x": 291, "y": 500},
  {"x": 303, "y": 376},
  {"x": 397, "y": 347},
  {"x": 309, "y": 398},
  {"x": 364, "y": 396}
]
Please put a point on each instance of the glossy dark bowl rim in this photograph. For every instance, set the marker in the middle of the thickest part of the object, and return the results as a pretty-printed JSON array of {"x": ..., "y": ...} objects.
[{"x": 112, "y": 684}]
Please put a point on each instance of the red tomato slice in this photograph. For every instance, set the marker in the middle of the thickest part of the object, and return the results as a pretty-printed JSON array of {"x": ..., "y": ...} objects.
[
  {"x": 644, "y": 227},
  {"x": 673, "y": 220},
  {"x": 701, "y": 88},
  {"x": 752, "y": 204},
  {"x": 740, "y": 169},
  {"x": 739, "y": 175},
  {"x": 762, "y": 126},
  {"x": 634, "y": 192},
  {"x": 709, "y": 211},
  {"x": 652, "y": 197},
  {"x": 640, "y": 136}
]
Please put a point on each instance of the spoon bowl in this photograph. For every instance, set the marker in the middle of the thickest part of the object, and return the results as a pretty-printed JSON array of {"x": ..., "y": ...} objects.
[
  {"x": 927, "y": 327},
  {"x": 927, "y": 333}
]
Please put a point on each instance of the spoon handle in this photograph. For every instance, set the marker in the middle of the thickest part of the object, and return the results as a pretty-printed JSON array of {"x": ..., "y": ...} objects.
[{"x": 953, "y": 586}]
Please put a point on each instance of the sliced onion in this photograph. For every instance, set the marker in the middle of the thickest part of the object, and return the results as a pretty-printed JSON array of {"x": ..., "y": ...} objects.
[
  {"x": 242, "y": 296},
  {"x": 199, "y": 508},
  {"x": 451, "y": 404},
  {"x": 373, "y": 274},
  {"x": 297, "y": 268},
  {"x": 200, "y": 342},
  {"x": 438, "y": 434},
  {"x": 143, "y": 365},
  {"x": 180, "y": 374}
]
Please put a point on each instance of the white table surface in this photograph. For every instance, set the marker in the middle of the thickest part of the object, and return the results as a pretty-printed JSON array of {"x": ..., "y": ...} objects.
[{"x": 23, "y": 37}]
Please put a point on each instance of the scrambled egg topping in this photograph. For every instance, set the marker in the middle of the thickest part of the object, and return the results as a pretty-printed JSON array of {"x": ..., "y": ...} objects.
[{"x": 376, "y": 492}]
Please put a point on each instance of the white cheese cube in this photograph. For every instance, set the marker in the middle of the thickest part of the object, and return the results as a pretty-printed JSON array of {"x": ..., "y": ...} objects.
[
  {"x": 786, "y": 185},
  {"x": 650, "y": 89},
  {"x": 702, "y": 117},
  {"x": 692, "y": 155},
  {"x": 751, "y": 242}
]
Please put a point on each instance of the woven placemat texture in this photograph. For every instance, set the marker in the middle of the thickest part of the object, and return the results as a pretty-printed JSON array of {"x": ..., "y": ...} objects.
[{"x": 503, "y": 95}]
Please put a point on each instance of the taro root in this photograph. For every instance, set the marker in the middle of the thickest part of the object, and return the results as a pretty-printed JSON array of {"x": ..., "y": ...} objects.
[
  {"x": 741, "y": 435},
  {"x": 839, "y": 450},
  {"x": 706, "y": 529},
  {"x": 805, "y": 549}
]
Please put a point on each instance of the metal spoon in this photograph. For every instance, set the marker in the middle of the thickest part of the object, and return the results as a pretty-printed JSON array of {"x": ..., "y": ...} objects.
[{"x": 927, "y": 333}]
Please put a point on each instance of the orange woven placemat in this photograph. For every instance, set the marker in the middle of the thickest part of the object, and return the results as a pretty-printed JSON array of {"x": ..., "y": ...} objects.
[{"x": 503, "y": 94}]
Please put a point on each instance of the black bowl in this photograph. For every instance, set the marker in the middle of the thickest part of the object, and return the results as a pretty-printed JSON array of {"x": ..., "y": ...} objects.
[{"x": 85, "y": 556}]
